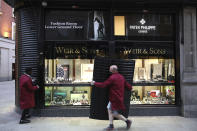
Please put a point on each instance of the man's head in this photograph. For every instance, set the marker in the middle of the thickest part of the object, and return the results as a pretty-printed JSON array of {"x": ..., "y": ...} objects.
[
  {"x": 28, "y": 70},
  {"x": 113, "y": 69}
]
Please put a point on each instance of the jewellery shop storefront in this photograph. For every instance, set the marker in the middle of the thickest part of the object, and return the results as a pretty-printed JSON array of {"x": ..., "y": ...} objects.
[
  {"x": 74, "y": 38},
  {"x": 63, "y": 50}
]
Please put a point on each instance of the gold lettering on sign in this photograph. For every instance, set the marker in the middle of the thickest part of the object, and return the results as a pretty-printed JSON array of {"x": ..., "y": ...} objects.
[
  {"x": 84, "y": 49},
  {"x": 145, "y": 52},
  {"x": 138, "y": 51},
  {"x": 157, "y": 51},
  {"x": 59, "y": 50}
]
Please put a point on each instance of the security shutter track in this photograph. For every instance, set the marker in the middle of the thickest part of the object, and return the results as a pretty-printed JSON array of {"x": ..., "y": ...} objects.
[{"x": 99, "y": 96}]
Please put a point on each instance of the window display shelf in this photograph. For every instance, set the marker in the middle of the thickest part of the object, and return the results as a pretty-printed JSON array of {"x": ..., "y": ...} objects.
[
  {"x": 69, "y": 84},
  {"x": 153, "y": 84}
]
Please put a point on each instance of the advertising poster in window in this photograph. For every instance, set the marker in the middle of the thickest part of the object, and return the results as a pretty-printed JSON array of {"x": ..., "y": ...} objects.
[
  {"x": 98, "y": 25},
  {"x": 66, "y": 25},
  {"x": 76, "y": 25}
]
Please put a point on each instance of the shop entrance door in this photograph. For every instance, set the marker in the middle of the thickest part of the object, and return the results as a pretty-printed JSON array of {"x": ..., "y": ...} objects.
[{"x": 99, "y": 96}]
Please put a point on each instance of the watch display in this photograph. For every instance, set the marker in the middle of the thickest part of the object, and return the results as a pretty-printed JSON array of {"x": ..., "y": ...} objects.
[
  {"x": 154, "y": 71},
  {"x": 153, "y": 95},
  {"x": 55, "y": 96}
]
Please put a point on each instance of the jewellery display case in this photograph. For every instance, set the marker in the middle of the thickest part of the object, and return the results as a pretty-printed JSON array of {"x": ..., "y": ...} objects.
[
  {"x": 153, "y": 95},
  {"x": 154, "y": 82},
  {"x": 66, "y": 81},
  {"x": 67, "y": 95},
  {"x": 154, "y": 71},
  {"x": 68, "y": 71}
]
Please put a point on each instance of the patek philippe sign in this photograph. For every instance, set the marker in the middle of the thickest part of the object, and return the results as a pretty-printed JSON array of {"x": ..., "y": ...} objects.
[
  {"x": 143, "y": 29},
  {"x": 149, "y": 25}
]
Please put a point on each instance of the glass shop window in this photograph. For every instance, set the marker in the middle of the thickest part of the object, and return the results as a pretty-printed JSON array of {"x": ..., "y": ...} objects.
[
  {"x": 67, "y": 95},
  {"x": 66, "y": 81},
  {"x": 68, "y": 71},
  {"x": 153, "y": 95},
  {"x": 154, "y": 77},
  {"x": 65, "y": 71},
  {"x": 154, "y": 81},
  {"x": 154, "y": 71}
]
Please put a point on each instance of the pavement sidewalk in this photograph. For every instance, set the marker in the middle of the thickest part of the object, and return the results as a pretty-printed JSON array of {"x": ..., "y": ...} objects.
[{"x": 9, "y": 119}]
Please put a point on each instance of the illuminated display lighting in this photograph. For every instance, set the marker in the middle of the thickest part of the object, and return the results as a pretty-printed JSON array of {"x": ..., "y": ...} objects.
[{"x": 6, "y": 34}]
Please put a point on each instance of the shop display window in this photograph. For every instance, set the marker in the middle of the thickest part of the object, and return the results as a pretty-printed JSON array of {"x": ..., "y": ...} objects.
[
  {"x": 67, "y": 95},
  {"x": 69, "y": 71},
  {"x": 154, "y": 71},
  {"x": 65, "y": 71},
  {"x": 153, "y": 81},
  {"x": 153, "y": 95}
]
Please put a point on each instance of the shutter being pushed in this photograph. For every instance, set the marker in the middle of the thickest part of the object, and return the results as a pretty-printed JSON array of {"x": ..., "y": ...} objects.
[{"x": 99, "y": 96}]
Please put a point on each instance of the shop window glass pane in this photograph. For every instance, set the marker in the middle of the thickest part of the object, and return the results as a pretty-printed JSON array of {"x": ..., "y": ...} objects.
[
  {"x": 61, "y": 71},
  {"x": 154, "y": 71},
  {"x": 67, "y": 95},
  {"x": 153, "y": 95}
]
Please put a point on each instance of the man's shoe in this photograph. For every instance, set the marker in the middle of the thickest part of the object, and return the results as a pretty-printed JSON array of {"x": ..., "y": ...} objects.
[
  {"x": 129, "y": 122},
  {"x": 109, "y": 128},
  {"x": 24, "y": 121}
]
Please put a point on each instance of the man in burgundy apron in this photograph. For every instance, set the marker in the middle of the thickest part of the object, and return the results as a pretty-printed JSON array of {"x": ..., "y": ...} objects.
[
  {"x": 116, "y": 84},
  {"x": 27, "y": 100}
]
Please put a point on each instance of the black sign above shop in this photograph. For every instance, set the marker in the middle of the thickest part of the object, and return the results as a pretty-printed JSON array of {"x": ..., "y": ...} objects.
[
  {"x": 76, "y": 51},
  {"x": 146, "y": 26},
  {"x": 60, "y": 25},
  {"x": 145, "y": 51},
  {"x": 149, "y": 25},
  {"x": 76, "y": 25}
]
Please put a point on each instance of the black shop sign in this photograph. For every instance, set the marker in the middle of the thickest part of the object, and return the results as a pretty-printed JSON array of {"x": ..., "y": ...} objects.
[
  {"x": 150, "y": 25},
  {"x": 76, "y": 25}
]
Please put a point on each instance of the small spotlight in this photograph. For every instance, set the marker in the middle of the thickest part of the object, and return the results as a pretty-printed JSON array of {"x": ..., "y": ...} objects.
[
  {"x": 44, "y": 3},
  {"x": 75, "y": 6},
  {"x": 145, "y": 11}
]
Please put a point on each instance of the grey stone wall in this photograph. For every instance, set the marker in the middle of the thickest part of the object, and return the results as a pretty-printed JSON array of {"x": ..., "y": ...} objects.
[{"x": 188, "y": 63}]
